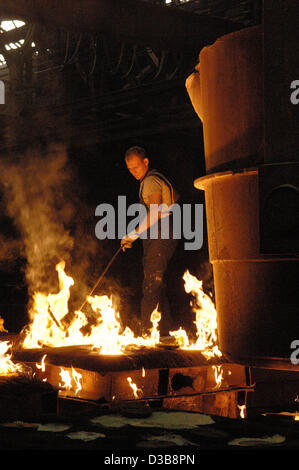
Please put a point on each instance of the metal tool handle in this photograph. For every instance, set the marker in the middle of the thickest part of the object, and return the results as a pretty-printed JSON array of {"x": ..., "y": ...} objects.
[{"x": 101, "y": 277}]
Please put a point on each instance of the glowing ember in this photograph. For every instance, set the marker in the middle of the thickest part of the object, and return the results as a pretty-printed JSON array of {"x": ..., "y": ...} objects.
[
  {"x": 206, "y": 321},
  {"x": 137, "y": 391}
]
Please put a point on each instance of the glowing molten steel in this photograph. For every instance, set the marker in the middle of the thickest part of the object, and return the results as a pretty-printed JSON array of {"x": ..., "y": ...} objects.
[{"x": 107, "y": 335}]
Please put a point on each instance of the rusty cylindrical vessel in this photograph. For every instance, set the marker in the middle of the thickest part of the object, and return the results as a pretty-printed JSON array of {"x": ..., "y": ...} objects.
[{"x": 255, "y": 260}]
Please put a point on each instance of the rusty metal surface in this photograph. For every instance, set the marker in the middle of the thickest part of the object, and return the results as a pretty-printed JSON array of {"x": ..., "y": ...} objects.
[
  {"x": 202, "y": 379},
  {"x": 86, "y": 358},
  {"x": 158, "y": 372},
  {"x": 224, "y": 403},
  {"x": 113, "y": 387}
]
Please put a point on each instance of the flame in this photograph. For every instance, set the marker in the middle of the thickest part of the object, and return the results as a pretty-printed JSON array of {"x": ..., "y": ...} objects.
[
  {"x": 77, "y": 378},
  {"x": 137, "y": 391},
  {"x": 107, "y": 335},
  {"x": 7, "y": 366},
  {"x": 181, "y": 338},
  {"x": 242, "y": 409},
  {"x": 206, "y": 321},
  {"x": 2, "y": 329},
  {"x": 218, "y": 372},
  {"x": 42, "y": 365},
  {"x": 43, "y": 329},
  {"x": 66, "y": 379},
  {"x": 155, "y": 334}
]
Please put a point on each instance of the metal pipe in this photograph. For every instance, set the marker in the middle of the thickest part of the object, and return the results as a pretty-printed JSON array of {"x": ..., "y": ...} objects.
[
  {"x": 100, "y": 278},
  {"x": 131, "y": 20}
]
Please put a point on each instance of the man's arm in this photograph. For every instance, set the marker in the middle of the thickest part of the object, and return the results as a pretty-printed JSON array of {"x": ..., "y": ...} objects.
[{"x": 153, "y": 214}]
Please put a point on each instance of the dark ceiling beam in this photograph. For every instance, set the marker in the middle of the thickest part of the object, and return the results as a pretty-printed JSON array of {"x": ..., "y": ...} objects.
[
  {"x": 14, "y": 35},
  {"x": 131, "y": 20}
]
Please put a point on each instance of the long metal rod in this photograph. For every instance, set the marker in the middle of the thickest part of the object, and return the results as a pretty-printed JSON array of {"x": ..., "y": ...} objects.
[
  {"x": 100, "y": 278},
  {"x": 55, "y": 320}
]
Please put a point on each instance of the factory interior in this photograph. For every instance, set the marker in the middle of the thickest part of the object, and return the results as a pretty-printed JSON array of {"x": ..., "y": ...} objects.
[{"x": 208, "y": 90}]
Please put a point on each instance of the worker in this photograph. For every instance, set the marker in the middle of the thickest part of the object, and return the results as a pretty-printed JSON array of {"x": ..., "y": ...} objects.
[{"x": 154, "y": 190}]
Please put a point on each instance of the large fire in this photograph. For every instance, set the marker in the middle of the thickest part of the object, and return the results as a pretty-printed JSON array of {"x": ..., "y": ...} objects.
[{"x": 107, "y": 336}]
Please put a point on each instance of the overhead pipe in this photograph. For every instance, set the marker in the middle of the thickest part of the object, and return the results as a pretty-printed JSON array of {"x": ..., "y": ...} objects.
[{"x": 131, "y": 20}]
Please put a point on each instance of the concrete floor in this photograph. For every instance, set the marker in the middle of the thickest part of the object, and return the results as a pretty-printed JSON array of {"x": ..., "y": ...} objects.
[{"x": 127, "y": 441}]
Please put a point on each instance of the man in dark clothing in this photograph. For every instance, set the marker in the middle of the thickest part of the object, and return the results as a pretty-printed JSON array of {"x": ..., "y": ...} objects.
[{"x": 154, "y": 190}]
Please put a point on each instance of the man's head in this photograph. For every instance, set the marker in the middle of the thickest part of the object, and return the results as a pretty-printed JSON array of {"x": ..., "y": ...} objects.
[{"x": 137, "y": 162}]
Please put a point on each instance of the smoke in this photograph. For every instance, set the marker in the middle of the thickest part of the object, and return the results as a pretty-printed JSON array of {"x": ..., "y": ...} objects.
[{"x": 42, "y": 197}]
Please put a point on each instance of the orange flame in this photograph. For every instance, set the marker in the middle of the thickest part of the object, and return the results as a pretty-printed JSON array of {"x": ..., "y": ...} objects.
[
  {"x": 106, "y": 336},
  {"x": 7, "y": 366},
  {"x": 242, "y": 409},
  {"x": 137, "y": 391},
  {"x": 218, "y": 371},
  {"x": 206, "y": 321},
  {"x": 42, "y": 365},
  {"x": 67, "y": 380}
]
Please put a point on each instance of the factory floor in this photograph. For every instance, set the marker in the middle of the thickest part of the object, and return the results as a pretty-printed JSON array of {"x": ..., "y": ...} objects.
[{"x": 214, "y": 437}]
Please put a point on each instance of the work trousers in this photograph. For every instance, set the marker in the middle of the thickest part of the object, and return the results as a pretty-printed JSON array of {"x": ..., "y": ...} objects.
[{"x": 156, "y": 256}]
